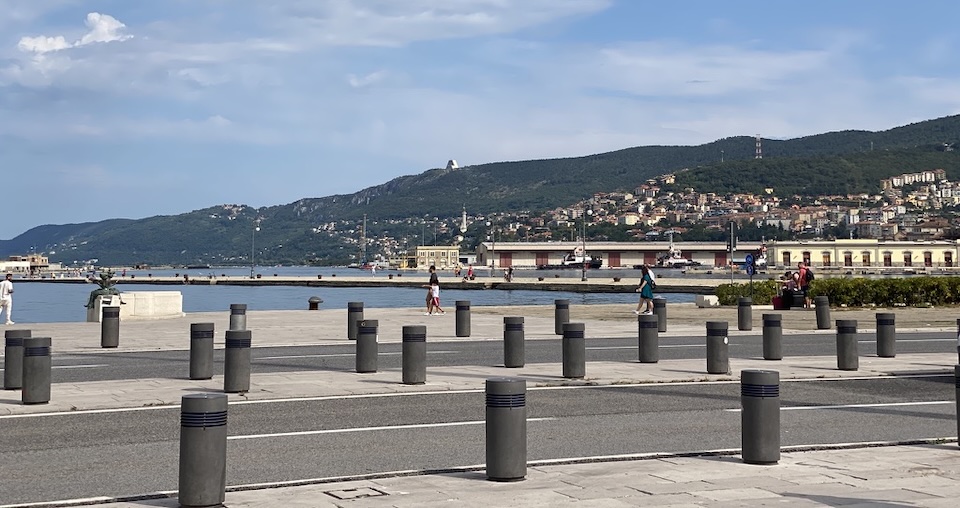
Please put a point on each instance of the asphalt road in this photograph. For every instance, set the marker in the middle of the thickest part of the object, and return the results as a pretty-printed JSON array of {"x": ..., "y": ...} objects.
[
  {"x": 77, "y": 455},
  {"x": 75, "y": 367}
]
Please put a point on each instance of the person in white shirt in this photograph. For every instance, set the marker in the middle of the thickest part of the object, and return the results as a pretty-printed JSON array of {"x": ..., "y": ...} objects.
[{"x": 6, "y": 297}]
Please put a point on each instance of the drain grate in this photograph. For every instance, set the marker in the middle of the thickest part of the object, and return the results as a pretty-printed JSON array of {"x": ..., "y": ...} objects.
[{"x": 359, "y": 493}]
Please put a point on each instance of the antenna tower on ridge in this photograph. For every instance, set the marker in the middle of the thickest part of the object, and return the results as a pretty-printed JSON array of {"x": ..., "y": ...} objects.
[{"x": 759, "y": 148}]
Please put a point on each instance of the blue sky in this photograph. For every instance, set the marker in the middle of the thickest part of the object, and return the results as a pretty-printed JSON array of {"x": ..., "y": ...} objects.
[{"x": 120, "y": 108}]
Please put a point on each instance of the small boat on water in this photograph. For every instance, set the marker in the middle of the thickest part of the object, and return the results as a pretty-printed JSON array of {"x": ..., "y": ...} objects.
[{"x": 575, "y": 259}]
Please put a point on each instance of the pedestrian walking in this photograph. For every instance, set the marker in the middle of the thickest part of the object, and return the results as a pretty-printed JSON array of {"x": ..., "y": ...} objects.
[
  {"x": 645, "y": 288},
  {"x": 434, "y": 280},
  {"x": 6, "y": 298}
]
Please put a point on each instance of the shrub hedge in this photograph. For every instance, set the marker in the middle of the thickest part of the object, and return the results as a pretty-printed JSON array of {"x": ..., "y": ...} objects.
[{"x": 857, "y": 292}]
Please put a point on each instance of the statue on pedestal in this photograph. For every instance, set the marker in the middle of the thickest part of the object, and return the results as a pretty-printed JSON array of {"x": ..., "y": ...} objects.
[{"x": 106, "y": 284}]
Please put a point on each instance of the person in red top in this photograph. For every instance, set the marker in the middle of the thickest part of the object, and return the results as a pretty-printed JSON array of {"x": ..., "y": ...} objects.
[{"x": 804, "y": 283}]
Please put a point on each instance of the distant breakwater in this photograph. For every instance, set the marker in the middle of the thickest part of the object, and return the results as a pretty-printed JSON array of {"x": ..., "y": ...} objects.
[{"x": 706, "y": 286}]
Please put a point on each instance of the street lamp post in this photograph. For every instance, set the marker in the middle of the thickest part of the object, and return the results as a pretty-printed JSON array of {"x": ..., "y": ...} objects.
[
  {"x": 253, "y": 237},
  {"x": 493, "y": 248},
  {"x": 583, "y": 244}
]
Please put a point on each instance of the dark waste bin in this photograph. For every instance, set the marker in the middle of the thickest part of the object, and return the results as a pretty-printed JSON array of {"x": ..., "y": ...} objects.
[
  {"x": 463, "y": 318},
  {"x": 110, "y": 327}
]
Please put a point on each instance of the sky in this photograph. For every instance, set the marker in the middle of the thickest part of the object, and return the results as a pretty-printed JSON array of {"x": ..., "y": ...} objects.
[{"x": 119, "y": 108}]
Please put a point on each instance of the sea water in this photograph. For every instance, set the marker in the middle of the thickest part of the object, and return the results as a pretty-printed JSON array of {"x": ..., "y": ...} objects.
[{"x": 49, "y": 302}]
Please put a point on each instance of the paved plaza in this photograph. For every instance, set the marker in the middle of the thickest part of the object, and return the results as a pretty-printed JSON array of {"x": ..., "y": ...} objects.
[{"x": 919, "y": 474}]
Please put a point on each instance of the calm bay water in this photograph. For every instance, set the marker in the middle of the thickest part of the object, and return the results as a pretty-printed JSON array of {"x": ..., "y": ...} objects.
[{"x": 45, "y": 302}]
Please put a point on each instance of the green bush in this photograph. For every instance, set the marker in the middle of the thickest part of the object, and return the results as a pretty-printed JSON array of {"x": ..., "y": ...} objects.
[{"x": 857, "y": 292}]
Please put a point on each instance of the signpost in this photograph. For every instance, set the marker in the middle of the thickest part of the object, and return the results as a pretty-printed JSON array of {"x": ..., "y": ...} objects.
[{"x": 749, "y": 264}]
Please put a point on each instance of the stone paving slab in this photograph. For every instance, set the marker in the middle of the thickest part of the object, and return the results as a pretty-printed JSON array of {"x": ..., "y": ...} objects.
[{"x": 921, "y": 480}]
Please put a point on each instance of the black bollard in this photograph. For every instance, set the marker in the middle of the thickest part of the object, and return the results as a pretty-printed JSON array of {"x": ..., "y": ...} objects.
[
  {"x": 574, "y": 351},
  {"x": 36, "y": 370},
  {"x": 745, "y": 313},
  {"x": 201, "y": 350},
  {"x": 649, "y": 341},
  {"x": 718, "y": 360},
  {"x": 513, "y": 346},
  {"x": 236, "y": 362},
  {"x": 822, "y": 305},
  {"x": 238, "y": 316},
  {"x": 367, "y": 348},
  {"x": 772, "y": 337},
  {"x": 561, "y": 316},
  {"x": 956, "y": 382},
  {"x": 463, "y": 318},
  {"x": 414, "y": 355},
  {"x": 313, "y": 303},
  {"x": 886, "y": 334},
  {"x": 847, "y": 356},
  {"x": 354, "y": 316},
  {"x": 110, "y": 327},
  {"x": 13, "y": 358},
  {"x": 506, "y": 422},
  {"x": 660, "y": 310},
  {"x": 760, "y": 416},
  {"x": 203, "y": 449}
]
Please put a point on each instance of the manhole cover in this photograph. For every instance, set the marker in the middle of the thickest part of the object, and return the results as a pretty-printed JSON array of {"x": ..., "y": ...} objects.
[{"x": 355, "y": 493}]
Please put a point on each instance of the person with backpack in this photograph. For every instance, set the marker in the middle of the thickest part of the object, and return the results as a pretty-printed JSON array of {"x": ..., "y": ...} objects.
[{"x": 805, "y": 275}]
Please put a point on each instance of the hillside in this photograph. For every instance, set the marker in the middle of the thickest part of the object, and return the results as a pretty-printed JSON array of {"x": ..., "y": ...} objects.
[{"x": 830, "y": 163}]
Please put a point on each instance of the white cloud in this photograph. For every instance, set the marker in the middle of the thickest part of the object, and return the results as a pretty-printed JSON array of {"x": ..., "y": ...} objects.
[
  {"x": 42, "y": 44},
  {"x": 103, "y": 28},
  {"x": 363, "y": 81}
]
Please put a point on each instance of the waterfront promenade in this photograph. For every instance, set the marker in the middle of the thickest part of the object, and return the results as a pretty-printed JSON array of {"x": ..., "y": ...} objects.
[{"x": 926, "y": 473}]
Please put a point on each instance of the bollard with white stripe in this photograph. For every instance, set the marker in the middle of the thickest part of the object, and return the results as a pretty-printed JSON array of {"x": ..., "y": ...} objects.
[
  {"x": 718, "y": 359},
  {"x": 367, "y": 347}
]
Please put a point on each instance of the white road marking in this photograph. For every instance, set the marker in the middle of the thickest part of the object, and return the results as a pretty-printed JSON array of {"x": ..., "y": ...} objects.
[
  {"x": 846, "y": 406},
  {"x": 75, "y": 366},
  {"x": 372, "y": 429},
  {"x": 457, "y": 392},
  {"x": 344, "y": 355},
  {"x": 664, "y": 346}
]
